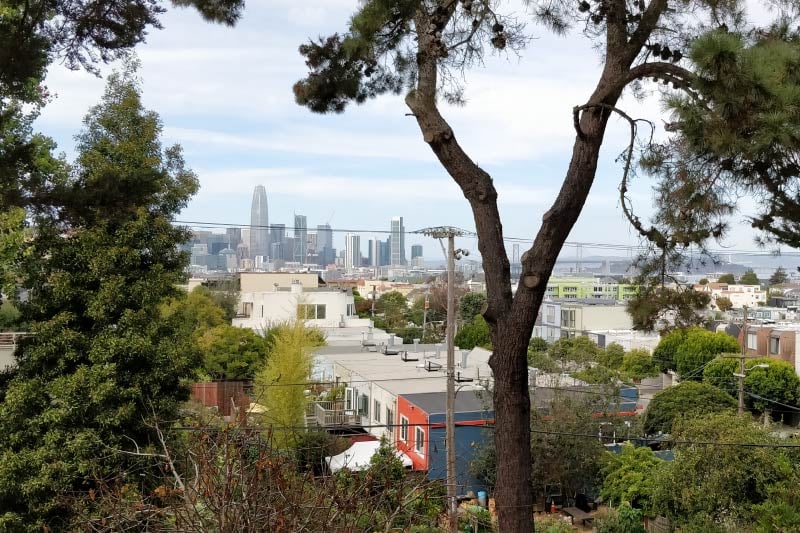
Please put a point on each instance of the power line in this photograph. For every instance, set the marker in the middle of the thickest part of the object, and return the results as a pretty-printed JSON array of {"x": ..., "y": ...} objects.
[{"x": 522, "y": 240}]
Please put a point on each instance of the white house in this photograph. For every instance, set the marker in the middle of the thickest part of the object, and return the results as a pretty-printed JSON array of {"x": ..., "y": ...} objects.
[
  {"x": 318, "y": 306},
  {"x": 739, "y": 295}
]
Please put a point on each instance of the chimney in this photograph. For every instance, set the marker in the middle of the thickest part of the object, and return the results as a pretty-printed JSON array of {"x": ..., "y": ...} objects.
[
  {"x": 416, "y": 345},
  {"x": 464, "y": 355},
  {"x": 391, "y": 339},
  {"x": 297, "y": 287},
  {"x": 438, "y": 350}
]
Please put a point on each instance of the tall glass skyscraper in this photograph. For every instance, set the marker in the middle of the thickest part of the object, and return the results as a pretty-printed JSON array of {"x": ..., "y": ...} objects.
[
  {"x": 259, "y": 224},
  {"x": 398, "y": 242},
  {"x": 300, "y": 239},
  {"x": 325, "y": 251}
]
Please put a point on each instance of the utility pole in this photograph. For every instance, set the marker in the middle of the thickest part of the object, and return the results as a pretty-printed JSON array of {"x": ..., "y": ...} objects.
[
  {"x": 741, "y": 361},
  {"x": 450, "y": 425}
]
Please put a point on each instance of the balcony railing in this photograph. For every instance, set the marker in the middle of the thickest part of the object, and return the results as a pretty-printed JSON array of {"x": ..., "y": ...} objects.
[{"x": 330, "y": 413}]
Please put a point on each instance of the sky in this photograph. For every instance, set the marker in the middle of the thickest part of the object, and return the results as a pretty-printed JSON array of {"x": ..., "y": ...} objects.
[{"x": 225, "y": 95}]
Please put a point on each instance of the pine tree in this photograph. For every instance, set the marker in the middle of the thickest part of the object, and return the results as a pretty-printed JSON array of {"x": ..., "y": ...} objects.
[{"x": 103, "y": 364}]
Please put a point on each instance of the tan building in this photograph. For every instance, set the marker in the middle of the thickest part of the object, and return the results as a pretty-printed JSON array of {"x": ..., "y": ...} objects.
[
  {"x": 775, "y": 341},
  {"x": 268, "y": 281}
]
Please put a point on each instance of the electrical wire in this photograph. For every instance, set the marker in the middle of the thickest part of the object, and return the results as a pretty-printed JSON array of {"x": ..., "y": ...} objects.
[{"x": 470, "y": 233}]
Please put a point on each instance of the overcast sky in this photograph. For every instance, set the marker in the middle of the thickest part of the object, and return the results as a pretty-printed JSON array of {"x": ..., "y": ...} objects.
[{"x": 225, "y": 95}]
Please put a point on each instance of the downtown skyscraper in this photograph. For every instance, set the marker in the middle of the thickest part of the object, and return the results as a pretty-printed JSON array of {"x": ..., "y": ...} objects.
[
  {"x": 259, "y": 224},
  {"x": 398, "y": 242},
  {"x": 300, "y": 239}
]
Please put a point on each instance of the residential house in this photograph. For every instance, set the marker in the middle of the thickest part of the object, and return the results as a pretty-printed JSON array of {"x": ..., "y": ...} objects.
[
  {"x": 739, "y": 295},
  {"x": 421, "y": 433},
  {"x": 317, "y": 306},
  {"x": 567, "y": 318},
  {"x": 627, "y": 338},
  {"x": 778, "y": 341},
  {"x": 375, "y": 379}
]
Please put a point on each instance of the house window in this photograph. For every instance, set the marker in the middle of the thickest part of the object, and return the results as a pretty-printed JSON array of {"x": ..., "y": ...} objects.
[
  {"x": 419, "y": 441},
  {"x": 551, "y": 314},
  {"x": 752, "y": 341},
  {"x": 376, "y": 411},
  {"x": 404, "y": 429},
  {"x": 774, "y": 345},
  {"x": 311, "y": 311},
  {"x": 389, "y": 417},
  {"x": 363, "y": 406}
]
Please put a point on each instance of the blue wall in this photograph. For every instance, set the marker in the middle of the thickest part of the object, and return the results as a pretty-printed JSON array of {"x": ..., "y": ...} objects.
[{"x": 469, "y": 439}]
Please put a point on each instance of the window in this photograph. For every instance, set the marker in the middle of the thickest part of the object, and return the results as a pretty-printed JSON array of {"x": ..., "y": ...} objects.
[
  {"x": 551, "y": 314},
  {"x": 311, "y": 311},
  {"x": 363, "y": 405},
  {"x": 774, "y": 345},
  {"x": 389, "y": 417},
  {"x": 419, "y": 441},
  {"x": 404, "y": 429},
  {"x": 752, "y": 341},
  {"x": 376, "y": 411},
  {"x": 351, "y": 309},
  {"x": 348, "y": 399}
]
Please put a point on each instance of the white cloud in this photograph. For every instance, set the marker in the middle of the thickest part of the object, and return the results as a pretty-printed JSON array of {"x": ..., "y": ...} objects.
[{"x": 297, "y": 182}]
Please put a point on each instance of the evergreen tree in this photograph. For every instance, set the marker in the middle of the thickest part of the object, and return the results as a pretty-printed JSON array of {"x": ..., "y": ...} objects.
[
  {"x": 779, "y": 277},
  {"x": 749, "y": 278},
  {"x": 102, "y": 364}
]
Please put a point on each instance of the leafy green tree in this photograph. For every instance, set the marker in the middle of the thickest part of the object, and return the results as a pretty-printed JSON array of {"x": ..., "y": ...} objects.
[
  {"x": 664, "y": 354},
  {"x": 749, "y": 278},
  {"x": 196, "y": 311},
  {"x": 779, "y": 277},
  {"x": 280, "y": 385},
  {"x": 537, "y": 344},
  {"x": 781, "y": 510},
  {"x": 724, "y": 303},
  {"x": 612, "y": 356},
  {"x": 579, "y": 350},
  {"x": 103, "y": 362},
  {"x": 765, "y": 388},
  {"x": 711, "y": 50},
  {"x": 638, "y": 364},
  {"x": 685, "y": 400},
  {"x": 597, "y": 374},
  {"x": 473, "y": 334},
  {"x": 542, "y": 361},
  {"x": 363, "y": 305},
  {"x": 628, "y": 476},
  {"x": 727, "y": 278},
  {"x": 394, "y": 308},
  {"x": 720, "y": 483},
  {"x": 703, "y": 281},
  {"x": 232, "y": 353},
  {"x": 698, "y": 348},
  {"x": 471, "y": 305}
]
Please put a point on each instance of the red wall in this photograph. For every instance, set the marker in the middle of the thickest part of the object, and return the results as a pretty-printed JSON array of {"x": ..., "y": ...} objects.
[{"x": 416, "y": 416}]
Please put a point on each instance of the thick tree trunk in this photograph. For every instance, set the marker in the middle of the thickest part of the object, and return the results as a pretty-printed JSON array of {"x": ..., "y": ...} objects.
[
  {"x": 511, "y": 318},
  {"x": 512, "y": 407}
]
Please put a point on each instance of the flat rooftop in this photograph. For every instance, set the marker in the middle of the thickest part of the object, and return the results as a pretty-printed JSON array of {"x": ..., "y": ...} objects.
[
  {"x": 390, "y": 372},
  {"x": 435, "y": 403}
]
